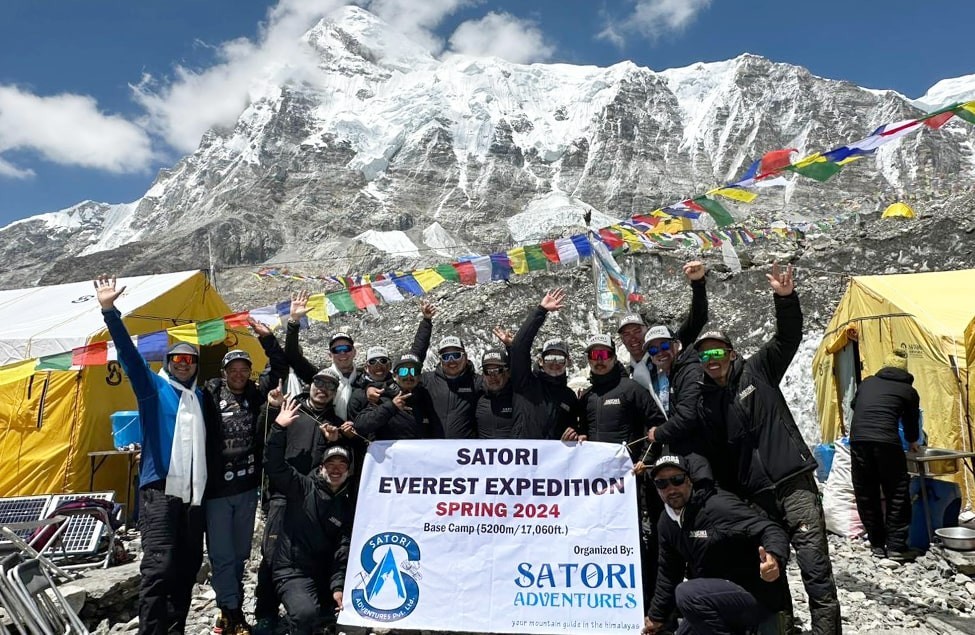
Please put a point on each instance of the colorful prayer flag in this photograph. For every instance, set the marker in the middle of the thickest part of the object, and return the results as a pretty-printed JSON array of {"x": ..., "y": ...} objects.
[
  {"x": 447, "y": 272},
  {"x": 536, "y": 258},
  {"x": 363, "y": 296},
  {"x": 317, "y": 307},
  {"x": 17, "y": 371},
  {"x": 406, "y": 282},
  {"x": 91, "y": 354},
  {"x": 516, "y": 257},
  {"x": 500, "y": 266},
  {"x": 342, "y": 301},
  {"x": 735, "y": 194},
  {"x": 236, "y": 320},
  {"x": 715, "y": 210},
  {"x": 60, "y": 361},
  {"x": 551, "y": 251},
  {"x": 567, "y": 251},
  {"x": 428, "y": 279},
  {"x": 387, "y": 289}
]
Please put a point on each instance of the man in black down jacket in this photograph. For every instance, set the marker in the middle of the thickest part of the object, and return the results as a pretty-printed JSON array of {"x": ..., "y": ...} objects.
[
  {"x": 878, "y": 461},
  {"x": 729, "y": 553},
  {"x": 768, "y": 462},
  {"x": 551, "y": 408},
  {"x": 454, "y": 389},
  {"x": 404, "y": 409},
  {"x": 312, "y": 551}
]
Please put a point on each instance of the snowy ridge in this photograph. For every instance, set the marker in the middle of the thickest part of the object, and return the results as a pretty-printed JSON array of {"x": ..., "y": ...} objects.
[{"x": 947, "y": 92}]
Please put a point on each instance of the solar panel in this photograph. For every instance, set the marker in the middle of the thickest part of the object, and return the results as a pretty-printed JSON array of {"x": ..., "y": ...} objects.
[
  {"x": 83, "y": 532},
  {"x": 22, "y": 509}
]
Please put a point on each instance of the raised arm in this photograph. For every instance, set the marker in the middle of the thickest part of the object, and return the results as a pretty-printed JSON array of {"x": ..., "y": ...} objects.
[
  {"x": 303, "y": 368},
  {"x": 275, "y": 355},
  {"x": 776, "y": 354},
  {"x": 521, "y": 345},
  {"x": 697, "y": 317},
  {"x": 424, "y": 330},
  {"x": 283, "y": 477},
  {"x": 134, "y": 365}
]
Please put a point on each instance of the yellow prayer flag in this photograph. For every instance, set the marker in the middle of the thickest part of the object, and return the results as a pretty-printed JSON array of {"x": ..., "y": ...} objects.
[
  {"x": 735, "y": 194},
  {"x": 812, "y": 158},
  {"x": 969, "y": 106},
  {"x": 428, "y": 279},
  {"x": 17, "y": 371},
  {"x": 672, "y": 225},
  {"x": 519, "y": 264},
  {"x": 185, "y": 333},
  {"x": 630, "y": 237},
  {"x": 316, "y": 307},
  {"x": 849, "y": 160}
]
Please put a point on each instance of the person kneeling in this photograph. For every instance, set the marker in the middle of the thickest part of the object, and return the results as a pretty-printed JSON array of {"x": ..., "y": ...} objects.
[
  {"x": 312, "y": 550},
  {"x": 730, "y": 553}
]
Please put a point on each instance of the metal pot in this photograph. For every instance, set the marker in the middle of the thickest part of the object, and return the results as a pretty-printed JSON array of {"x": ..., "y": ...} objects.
[
  {"x": 957, "y": 538},
  {"x": 940, "y": 467}
]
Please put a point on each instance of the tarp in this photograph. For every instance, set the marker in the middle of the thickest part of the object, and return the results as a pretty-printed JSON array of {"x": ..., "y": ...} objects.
[
  {"x": 928, "y": 316},
  {"x": 898, "y": 210},
  {"x": 50, "y": 421}
]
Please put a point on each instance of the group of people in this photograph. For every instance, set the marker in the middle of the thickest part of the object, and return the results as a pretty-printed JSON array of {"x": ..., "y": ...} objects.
[{"x": 726, "y": 479}]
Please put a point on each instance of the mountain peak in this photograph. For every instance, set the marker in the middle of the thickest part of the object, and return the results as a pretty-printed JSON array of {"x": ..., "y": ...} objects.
[{"x": 947, "y": 92}]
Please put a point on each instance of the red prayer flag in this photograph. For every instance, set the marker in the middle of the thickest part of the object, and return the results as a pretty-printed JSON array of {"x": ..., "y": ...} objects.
[
  {"x": 612, "y": 240},
  {"x": 363, "y": 296},
  {"x": 551, "y": 251},
  {"x": 776, "y": 160},
  {"x": 938, "y": 120},
  {"x": 236, "y": 320},
  {"x": 649, "y": 220},
  {"x": 91, "y": 355},
  {"x": 467, "y": 273}
]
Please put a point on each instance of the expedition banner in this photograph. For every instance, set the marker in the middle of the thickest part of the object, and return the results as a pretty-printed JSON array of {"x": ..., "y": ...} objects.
[{"x": 495, "y": 536}]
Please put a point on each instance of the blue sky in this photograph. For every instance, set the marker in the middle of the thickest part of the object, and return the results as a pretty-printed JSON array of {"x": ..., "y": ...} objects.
[{"x": 96, "y": 97}]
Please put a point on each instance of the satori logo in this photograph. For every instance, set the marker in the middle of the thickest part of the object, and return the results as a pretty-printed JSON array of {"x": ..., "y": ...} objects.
[
  {"x": 912, "y": 349},
  {"x": 387, "y": 589}
]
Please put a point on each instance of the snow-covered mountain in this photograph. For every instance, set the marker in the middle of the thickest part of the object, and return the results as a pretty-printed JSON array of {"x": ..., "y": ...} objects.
[
  {"x": 393, "y": 156},
  {"x": 947, "y": 92}
]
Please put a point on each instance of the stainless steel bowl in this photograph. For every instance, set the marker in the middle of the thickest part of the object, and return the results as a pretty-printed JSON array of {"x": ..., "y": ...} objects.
[
  {"x": 942, "y": 467},
  {"x": 957, "y": 538}
]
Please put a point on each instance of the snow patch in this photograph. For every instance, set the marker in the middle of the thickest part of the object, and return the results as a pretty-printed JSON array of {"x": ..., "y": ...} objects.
[
  {"x": 947, "y": 92},
  {"x": 551, "y": 212},
  {"x": 440, "y": 240},
  {"x": 394, "y": 243}
]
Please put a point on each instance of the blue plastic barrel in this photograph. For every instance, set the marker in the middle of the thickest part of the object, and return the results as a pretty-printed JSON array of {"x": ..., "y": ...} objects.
[
  {"x": 126, "y": 428},
  {"x": 944, "y": 505},
  {"x": 824, "y": 453}
]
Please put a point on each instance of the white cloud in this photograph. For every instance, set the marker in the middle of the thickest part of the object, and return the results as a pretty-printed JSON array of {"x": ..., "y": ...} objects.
[
  {"x": 502, "y": 35},
  {"x": 418, "y": 18},
  {"x": 655, "y": 19},
  {"x": 69, "y": 130}
]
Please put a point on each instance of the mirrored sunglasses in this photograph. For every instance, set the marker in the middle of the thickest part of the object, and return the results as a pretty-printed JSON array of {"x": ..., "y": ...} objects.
[
  {"x": 324, "y": 384},
  {"x": 600, "y": 354},
  {"x": 711, "y": 354},
  {"x": 183, "y": 358},
  {"x": 406, "y": 371},
  {"x": 491, "y": 371},
  {"x": 676, "y": 480},
  {"x": 554, "y": 359},
  {"x": 653, "y": 350},
  {"x": 341, "y": 348},
  {"x": 378, "y": 361},
  {"x": 452, "y": 356}
]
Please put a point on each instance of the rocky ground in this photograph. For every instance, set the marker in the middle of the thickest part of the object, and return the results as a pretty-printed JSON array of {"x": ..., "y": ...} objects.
[{"x": 877, "y": 596}]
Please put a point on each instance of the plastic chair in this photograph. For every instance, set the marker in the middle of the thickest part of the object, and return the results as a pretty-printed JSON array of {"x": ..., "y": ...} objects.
[
  {"x": 18, "y": 614},
  {"x": 42, "y": 600}
]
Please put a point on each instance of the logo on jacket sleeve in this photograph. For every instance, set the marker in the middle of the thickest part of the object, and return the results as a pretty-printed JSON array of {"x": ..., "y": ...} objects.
[{"x": 386, "y": 591}]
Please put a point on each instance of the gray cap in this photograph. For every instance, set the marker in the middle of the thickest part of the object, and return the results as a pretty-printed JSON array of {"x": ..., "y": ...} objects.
[
  {"x": 234, "y": 355},
  {"x": 182, "y": 348},
  {"x": 341, "y": 336},
  {"x": 713, "y": 335},
  {"x": 494, "y": 357},
  {"x": 375, "y": 352},
  {"x": 555, "y": 345},
  {"x": 658, "y": 332},
  {"x": 331, "y": 373},
  {"x": 600, "y": 339},
  {"x": 451, "y": 341},
  {"x": 630, "y": 318}
]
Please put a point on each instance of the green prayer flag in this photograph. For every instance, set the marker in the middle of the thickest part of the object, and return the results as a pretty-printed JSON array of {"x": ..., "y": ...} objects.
[
  {"x": 819, "y": 170},
  {"x": 536, "y": 258},
  {"x": 966, "y": 111},
  {"x": 61, "y": 361},
  {"x": 342, "y": 301},
  {"x": 716, "y": 211},
  {"x": 211, "y": 331},
  {"x": 448, "y": 272}
]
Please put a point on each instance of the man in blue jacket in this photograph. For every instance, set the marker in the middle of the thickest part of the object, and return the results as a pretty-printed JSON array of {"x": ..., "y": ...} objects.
[{"x": 172, "y": 473}]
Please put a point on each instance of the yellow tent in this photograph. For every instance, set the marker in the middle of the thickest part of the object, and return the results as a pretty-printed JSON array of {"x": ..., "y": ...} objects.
[
  {"x": 898, "y": 210},
  {"x": 50, "y": 421},
  {"x": 929, "y": 316}
]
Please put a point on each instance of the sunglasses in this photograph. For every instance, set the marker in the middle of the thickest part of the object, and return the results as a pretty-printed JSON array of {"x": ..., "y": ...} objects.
[
  {"x": 600, "y": 355},
  {"x": 676, "y": 480},
  {"x": 378, "y": 361},
  {"x": 324, "y": 384},
  {"x": 495, "y": 370},
  {"x": 453, "y": 356},
  {"x": 554, "y": 359},
  {"x": 406, "y": 371},
  {"x": 711, "y": 354},
  {"x": 341, "y": 348},
  {"x": 183, "y": 359},
  {"x": 653, "y": 350}
]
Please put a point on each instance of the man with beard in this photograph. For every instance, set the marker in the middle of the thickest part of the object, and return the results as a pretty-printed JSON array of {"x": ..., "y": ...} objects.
[
  {"x": 633, "y": 330},
  {"x": 767, "y": 461},
  {"x": 173, "y": 470},
  {"x": 454, "y": 389},
  {"x": 551, "y": 409},
  {"x": 312, "y": 551},
  {"x": 315, "y": 425},
  {"x": 234, "y": 451},
  {"x": 404, "y": 409},
  {"x": 728, "y": 552},
  {"x": 494, "y": 412}
]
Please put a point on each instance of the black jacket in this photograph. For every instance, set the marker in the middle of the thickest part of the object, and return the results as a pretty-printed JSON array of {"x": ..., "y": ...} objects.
[
  {"x": 305, "y": 442},
  {"x": 494, "y": 414},
  {"x": 880, "y": 402},
  {"x": 683, "y": 431},
  {"x": 766, "y": 447},
  {"x": 317, "y": 528},
  {"x": 454, "y": 401},
  {"x": 718, "y": 537},
  {"x": 547, "y": 406},
  {"x": 385, "y": 422},
  {"x": 619, "y": 410},
  {"x": 235, "y": 437},
  {"x": 689, "y": 329}
]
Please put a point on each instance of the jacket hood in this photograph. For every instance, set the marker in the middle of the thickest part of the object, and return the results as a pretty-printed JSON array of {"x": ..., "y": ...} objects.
[
  {"x": 895, "y": 374},
  {"x": 613, "y": 377}
]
